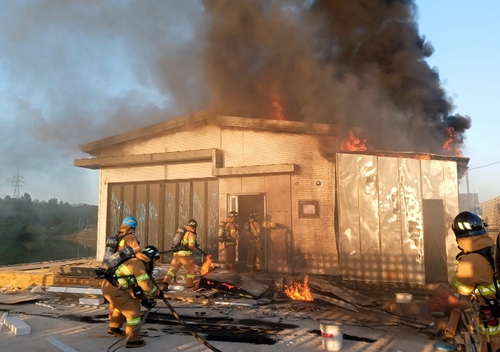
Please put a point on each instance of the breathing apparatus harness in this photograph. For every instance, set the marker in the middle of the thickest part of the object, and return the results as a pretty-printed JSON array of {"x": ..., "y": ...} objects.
[{"x": 489, "y": 313}]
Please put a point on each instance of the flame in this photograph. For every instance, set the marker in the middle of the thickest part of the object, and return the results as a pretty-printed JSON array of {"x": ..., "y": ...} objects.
[
  {"x": 298, "y": 291},
  {"x": 447, "y": 146},
  {"x": 210, "y": 282},
  {"x": 353, "y": 144},
  {"x": 277, "y": 108},
  {"x": 207, "y": 265}
]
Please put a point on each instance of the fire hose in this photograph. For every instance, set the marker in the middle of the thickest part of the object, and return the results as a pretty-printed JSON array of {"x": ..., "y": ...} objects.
[{"x": 184, "y": 325}]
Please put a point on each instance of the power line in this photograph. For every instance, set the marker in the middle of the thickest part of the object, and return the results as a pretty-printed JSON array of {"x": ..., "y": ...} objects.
[{"x": 480, "y": 167}]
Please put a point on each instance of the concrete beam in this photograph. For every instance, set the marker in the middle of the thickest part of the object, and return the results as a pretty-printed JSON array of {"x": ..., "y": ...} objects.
[{"x": 255, "y": 170}]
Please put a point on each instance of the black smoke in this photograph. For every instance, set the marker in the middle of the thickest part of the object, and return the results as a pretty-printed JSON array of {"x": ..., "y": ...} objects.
[{"x": 356, "y": 63}]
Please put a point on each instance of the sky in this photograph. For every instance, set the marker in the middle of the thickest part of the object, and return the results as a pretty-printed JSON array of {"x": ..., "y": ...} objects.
[{"x": 72, "y": 72}]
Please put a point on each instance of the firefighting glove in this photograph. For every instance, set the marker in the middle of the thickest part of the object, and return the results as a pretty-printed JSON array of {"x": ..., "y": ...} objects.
[{"x": 148, "y": 303}]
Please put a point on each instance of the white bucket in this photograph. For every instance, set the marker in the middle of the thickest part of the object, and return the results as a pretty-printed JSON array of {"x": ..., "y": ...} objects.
[{"x": 331, "y": 334}]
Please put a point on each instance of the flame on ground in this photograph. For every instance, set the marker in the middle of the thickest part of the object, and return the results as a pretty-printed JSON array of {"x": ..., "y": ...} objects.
[
  {"x": 353, "y": 144},
  {"x": 299, "y": 291},
  {"x": 207, "y": 265}
]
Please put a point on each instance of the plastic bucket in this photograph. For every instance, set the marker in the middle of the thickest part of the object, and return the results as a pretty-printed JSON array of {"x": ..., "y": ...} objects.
[{"x": 331, "y": 334}]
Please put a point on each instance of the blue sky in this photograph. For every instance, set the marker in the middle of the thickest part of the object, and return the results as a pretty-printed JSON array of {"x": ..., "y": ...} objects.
[
  {"x": 72, "y": 72},
  {"x": 465, "y": 36}
]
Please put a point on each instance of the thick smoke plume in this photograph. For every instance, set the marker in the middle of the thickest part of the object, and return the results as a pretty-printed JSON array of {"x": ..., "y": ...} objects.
[
  {"x": 356, "y": 63},
  {"x": 72, "y": 72}
]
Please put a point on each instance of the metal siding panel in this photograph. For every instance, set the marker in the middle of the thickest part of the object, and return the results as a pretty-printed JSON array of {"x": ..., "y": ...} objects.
[
  {"x": 141, "y": 213},
  {"x": 369, "y": 231},
  {"x": 412, "y": 229},
  {"x": 432, "y": 179},
  {"x": 392, "y": 269},
  {"x": 170, "y": 223},
  {"x": 451, "y": 209},
  {"x": 154, "y": 214},
  {"x": 347, "y": 195},
  {"x": 184, "y": 202},
  {"x": 213, "y": 219}
]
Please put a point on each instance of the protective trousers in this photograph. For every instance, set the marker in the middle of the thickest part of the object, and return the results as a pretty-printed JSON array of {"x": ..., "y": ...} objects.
[
  {"x": 230, "y": 255},
  {"x": 126, "y": 310},
  {"x": 188, "y": 263},
  {"x": 494, "y": 340},
  {"x": 255, "y": 255}
]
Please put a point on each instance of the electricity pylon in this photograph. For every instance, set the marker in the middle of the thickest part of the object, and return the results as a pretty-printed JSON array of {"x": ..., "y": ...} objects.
[{"x": 17, "y": 184}]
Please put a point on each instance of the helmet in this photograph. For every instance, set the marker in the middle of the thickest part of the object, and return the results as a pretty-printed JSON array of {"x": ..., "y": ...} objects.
[
  {"x": 468, "y": 224},
  {"x": 193, "y": 223},
  {"x": 254, "y": 214},
  {"x": 130, "y": 221},
  {"x": 151, "y": 252},
  {"x": 233, "y": 214}
]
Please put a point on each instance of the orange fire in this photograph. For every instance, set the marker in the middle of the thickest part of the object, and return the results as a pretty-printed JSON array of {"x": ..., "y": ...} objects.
[
  {"x": 447, "y": 146},
  {"x": 207, "y": 265},
  {"x": 210, "y": 282},
  {"x": 277, "y": 108},
  {"x": 353, "y": 144},
  {"x": 299, "y": 291}
]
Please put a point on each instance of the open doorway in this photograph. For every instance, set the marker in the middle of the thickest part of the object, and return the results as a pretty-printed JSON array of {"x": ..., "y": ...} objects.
[
  {"x": 434, "y": 241},
  {"x": 244, "y": 205}
]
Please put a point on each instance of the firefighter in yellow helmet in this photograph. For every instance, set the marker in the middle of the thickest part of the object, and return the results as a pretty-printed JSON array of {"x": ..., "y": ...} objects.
[
  {"x": 255, "y": 251},
  {"x": 475, "y": 276},
  {"x": 229, "y": 239},
  {"x": 129, "y": 287},
  {"x": 184, "y": 256}
]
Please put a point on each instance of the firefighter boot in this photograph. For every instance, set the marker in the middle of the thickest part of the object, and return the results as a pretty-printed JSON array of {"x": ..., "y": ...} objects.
[
  {"x": 189, "y": 282},
  {"x": 168, "y": 278}
]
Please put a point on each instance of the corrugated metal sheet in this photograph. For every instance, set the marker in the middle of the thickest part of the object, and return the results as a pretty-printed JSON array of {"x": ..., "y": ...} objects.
[{"x": 381, "y": 215}]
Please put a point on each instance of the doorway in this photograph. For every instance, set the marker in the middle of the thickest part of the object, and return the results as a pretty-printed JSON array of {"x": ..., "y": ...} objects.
[
  {"x": 244, "y": 205},
  {"x": 434, "y": 241}
]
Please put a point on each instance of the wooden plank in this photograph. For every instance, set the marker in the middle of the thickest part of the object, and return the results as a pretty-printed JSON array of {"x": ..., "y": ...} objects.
[
  {"x": 73, "y": 270},
  {"x": 220, "y": 278},
  {"x": 451, "y": 328},
  {"x": 358, "y": 298},
  {"x": 45, "y": 265},
  {"x": 18, "y": 297},
  {"x": 335, "y": 301},
  {"x": 324, "y": 286}
]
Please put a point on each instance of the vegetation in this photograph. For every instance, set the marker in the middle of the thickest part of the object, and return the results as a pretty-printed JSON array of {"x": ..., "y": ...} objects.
[{"x": 32, "y": 230}]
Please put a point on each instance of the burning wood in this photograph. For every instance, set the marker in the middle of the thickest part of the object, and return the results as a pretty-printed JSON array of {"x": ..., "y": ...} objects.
[
  {"x": 352, "y": 144},
  {"x": 299, "y": 291},
  {"x": 207, "y": 265},
  {"x": 226, "y": 281}
]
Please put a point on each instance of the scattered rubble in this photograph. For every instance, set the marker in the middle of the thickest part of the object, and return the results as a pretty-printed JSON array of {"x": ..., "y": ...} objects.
[{"x": 208, "y": 308}]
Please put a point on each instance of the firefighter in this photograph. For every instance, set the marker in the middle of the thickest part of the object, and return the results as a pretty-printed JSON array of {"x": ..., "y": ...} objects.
[
  {"x": 255, "y": 254},
  {"x": 126, "y": 234},
  {"x": 130, "y": 288},
  {"x": 184, "y": 256},
  {"x": 126, "y": 237},
  {"x": 475, "y": 276},
  {"x": 229, "y": 239}
]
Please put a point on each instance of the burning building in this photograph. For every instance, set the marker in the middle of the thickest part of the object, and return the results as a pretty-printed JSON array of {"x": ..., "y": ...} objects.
[{"x": 359, "y": 214}]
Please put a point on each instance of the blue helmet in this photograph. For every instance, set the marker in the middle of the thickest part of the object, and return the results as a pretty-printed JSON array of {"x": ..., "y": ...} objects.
[{"x": 130, "y": 221}]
